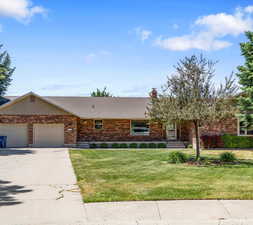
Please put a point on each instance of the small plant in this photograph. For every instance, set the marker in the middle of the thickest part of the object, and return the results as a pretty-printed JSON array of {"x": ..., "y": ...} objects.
[
  {"x": 227, "y": 157},
  {"x": 123, "y": 145},
  {"x": 177, "y": 157},
  {"x": 189, "y": 146},
  {"x": 152, "y": 145},
  {"x": 133, "y": 145},
  {"x": 103, "y": 145},
  {"x": 161, "y": 145},
  {"x": 115, "y": 145},
  {"x": 93, "y": 145},
  {"x": 143, "y": 145}
]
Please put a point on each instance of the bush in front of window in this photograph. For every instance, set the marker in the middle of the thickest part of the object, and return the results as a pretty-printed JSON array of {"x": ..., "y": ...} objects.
[
  {"x": 115, "y": 145},
  {"x": 133, "y": 145},
  {"x": 103, "y": 145},
  {"x": 177, "y": 157},
  {"x": 232, "y": 141},
  {"x": 161, "y": 145},
  {"x": 123, "y": 145},
  {"x": 143, "y": 145},
  {"x": 152, "y": 145},
  {"x": 227, "y": 157},
  {"x": 93, "y": 145}
]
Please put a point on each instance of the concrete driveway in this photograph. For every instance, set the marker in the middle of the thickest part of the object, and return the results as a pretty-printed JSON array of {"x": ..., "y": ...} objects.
[{"x": 37, "y": 186}]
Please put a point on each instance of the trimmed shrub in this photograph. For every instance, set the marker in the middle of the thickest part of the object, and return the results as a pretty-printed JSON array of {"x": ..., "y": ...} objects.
[
  {"x": 115, "y": 145},
  {"x": 103, "y": 145},
  {"x": 161, "y": 145},
  {"x": 133, "y": 145},
  {"x": 227, "y": 157},
  {"x": 93, "y": 145},
  {"x": 232, "y": 141},
  {"x": 152, "y": 145},
  {"x": 123, "y": 145},
  {"x": 189, "y": 146},
  {"x": 143, "y": 145},
  {"x": 177, "y": 157},
  {"x": 212, "y": 141}
]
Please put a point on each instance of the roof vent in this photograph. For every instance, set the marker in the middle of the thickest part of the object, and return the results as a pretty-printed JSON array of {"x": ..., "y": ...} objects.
[
  {"x": 93, "y": 106},
  {"x": 32, "y": 98}
]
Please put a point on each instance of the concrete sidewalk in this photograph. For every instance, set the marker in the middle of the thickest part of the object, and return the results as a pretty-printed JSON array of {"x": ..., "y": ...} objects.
[
  {"x": 37, "y": 186},
  {"x": 199, "y": 212}
]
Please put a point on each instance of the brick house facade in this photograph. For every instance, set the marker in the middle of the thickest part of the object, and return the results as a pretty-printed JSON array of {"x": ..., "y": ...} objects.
[{"x": 77, "y": 115}]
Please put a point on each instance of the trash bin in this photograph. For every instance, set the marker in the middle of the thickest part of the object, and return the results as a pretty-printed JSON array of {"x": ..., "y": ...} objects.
[{"x": 3, "y": 141}]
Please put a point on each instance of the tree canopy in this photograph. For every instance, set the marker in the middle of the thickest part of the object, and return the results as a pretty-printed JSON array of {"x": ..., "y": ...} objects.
[
  {"x": 101, "y": 93},
  {"x": 5, "y": 71},
  {"x": 190, "y": 94},
  {"x": 245, "y": 76}
]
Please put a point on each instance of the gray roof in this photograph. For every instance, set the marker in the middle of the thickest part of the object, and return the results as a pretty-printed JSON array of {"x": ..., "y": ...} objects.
[{"x": 101, "y": 107}]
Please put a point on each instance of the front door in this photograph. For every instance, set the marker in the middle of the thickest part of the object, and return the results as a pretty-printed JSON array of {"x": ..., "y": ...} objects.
[{"x": 171, "y": 132}]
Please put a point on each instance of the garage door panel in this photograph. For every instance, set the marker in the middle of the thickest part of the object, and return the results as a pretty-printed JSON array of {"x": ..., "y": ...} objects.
[
  {"x": 17, "y": 134},
  {"x": 48, "y": 135}
]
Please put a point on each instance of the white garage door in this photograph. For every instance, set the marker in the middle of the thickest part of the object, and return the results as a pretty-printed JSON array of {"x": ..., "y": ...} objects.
[
  {"x": 48, "y": 135},
  {"x": 17, "y": 134}
]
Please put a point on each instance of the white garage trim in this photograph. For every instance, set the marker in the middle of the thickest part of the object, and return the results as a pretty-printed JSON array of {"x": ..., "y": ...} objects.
[
  {"x": 17, "y": 134},
  {"x": 48, "y": 135}
]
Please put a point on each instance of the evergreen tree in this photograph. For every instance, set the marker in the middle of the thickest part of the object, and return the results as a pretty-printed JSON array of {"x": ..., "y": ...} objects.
[
  {"x": 245, "y": 75},
  {"x": 5, "y": 72},
  {"x": 101, "y": 93}
]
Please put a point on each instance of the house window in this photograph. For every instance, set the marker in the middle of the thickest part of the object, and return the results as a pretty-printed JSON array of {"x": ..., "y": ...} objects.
[
  {"x": 243, "y": 130},
  {"x": 98, "y": 124},
  {"x": 139, "y": 127}
]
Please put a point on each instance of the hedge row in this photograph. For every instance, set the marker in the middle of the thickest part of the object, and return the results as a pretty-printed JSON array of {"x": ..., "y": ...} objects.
[
  {"x": 232, "y": 141},
  {"x": 226, "y": 141},
  {"x": 131, "y": 145}
]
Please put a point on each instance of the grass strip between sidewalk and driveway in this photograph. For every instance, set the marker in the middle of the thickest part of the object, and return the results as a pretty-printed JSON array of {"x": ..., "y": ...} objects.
[{"x": 120, "y": 175}]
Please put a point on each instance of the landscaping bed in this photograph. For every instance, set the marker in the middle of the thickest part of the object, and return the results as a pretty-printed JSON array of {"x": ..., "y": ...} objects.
[{"x": 109, "y": 175}]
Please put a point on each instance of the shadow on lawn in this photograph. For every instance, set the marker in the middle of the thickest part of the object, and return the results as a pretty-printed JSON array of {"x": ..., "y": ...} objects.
[
  {"x": 7, "y": 152},
  {"x": 8, "y": 192}
]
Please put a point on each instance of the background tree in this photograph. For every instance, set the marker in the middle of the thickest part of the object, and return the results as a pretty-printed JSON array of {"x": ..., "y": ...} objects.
[
  {"x": 245, "y": 74},
  {"x": 101, "y": 93},
  {"x": 190, "y": 95},
  {"x": 5, "y": 71}
]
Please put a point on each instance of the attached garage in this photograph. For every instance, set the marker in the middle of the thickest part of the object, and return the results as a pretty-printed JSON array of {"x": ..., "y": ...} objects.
[
  {"x": 17, "y": 134},
  {"x": 48, "y": 135}
]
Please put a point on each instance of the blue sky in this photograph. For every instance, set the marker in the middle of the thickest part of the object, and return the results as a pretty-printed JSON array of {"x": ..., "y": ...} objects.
[{"x": 129, "y": 46}]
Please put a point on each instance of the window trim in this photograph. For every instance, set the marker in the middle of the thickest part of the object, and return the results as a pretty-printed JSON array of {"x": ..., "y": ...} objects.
[
  {"x": 94, "y": 125},
  {"x": 134, "y": 134},
  {"x": 238, "y": 130}
]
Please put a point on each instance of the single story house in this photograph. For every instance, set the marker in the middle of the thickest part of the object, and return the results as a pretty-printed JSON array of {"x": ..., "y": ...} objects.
[{"x": 36, "y": 121}]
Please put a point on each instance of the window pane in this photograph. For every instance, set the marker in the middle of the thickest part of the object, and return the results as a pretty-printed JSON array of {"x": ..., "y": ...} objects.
[
  {"x": 98, "y": 124},
  {"x": 140, "y": 127},
  {"x": 242, "y": 128},
  {"x": 250, "y": 130}
]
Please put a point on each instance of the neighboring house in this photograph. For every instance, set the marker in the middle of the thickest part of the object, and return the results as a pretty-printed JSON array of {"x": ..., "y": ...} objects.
[{"x": 35, "y": 121}]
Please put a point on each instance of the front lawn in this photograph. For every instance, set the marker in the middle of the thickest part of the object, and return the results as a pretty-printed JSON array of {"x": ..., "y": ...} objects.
[{"x": 120, "y": 175}]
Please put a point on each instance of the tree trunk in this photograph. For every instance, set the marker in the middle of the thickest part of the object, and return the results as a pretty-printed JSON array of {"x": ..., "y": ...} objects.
[{"x": 196, "y": 127}]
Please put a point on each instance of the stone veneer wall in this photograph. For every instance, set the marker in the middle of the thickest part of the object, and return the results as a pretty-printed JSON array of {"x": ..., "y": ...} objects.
[
  {"x": 70, "y": 124},
  {"x": 116, "y": 130}
]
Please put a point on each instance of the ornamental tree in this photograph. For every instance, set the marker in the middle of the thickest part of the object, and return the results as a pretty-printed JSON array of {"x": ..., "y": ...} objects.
[
  {"x": 190, "y": 95},
  {"x": 245, "y": 75}
]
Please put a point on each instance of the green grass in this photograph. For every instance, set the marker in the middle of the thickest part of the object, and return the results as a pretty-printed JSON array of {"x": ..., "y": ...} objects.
[{"x": 120, "y": 175}]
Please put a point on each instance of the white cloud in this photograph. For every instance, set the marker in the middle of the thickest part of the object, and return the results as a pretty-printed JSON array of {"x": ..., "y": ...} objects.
[
  {"x": 209, "y": 30},
  {"x": 175, "y": 26},
  {"x": 249, "y": 9},
  {"x": 142, "y": 33},
  {"x": 22, "y": 10},
  {"x": 91, "y": 57}
]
